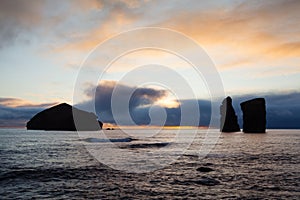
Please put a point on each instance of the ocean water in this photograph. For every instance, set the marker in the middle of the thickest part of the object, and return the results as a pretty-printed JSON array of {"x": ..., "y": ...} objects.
[{"x": 64, "y": 165}]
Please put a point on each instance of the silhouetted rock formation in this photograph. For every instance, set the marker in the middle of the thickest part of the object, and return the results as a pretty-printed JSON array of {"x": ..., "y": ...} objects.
[
  {"x": 60, "y": 117},
  {"x": 254, "y": 115},
  {"x": 229, "y": 121}
]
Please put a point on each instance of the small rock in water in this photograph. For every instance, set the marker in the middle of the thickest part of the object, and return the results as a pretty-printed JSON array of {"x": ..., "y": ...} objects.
[
  {"x": 205, "y": 169},
  {"x": 149, "y": 145},
  {"x": 207, "y": 181}
]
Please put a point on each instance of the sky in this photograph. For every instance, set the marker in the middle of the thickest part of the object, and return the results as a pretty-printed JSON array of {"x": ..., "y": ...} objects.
[{"x": 253, "y": 45}]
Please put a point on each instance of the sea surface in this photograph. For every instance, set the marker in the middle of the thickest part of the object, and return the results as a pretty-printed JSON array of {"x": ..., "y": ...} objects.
[{"x": 64, "y": 165}]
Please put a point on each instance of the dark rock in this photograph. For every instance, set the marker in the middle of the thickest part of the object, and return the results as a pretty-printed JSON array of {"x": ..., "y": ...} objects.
[
  {"x": 229, "y": 121},
  {"x": 207, "y": 181},
  {"x": 128, "y": 139},
  {"x": 149, "y": 145},
  {"x": 60, "y": 117},
  {"x": 205, "y": 169},
  {"x": 254, "y": 116}
]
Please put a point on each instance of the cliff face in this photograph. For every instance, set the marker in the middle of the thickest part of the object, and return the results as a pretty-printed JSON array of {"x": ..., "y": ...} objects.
[
  {"x": 254, "y": 116},
  {"x": 60, "y": 117},
  {"x": 229, "y": 122}
]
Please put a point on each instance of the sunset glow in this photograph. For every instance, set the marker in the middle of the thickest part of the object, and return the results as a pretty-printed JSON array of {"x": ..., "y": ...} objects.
[{"x": 254, "y": 45}]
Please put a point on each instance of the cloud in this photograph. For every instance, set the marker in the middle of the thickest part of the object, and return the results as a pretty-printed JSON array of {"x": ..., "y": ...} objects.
[
  {"x": 100, "y": 4},
  {"x": 254, "y": 34},
  {"x": 18, "y": 17},
  {"x": 16, "y": 112},
  {"x": 277, "y": 71},
  {"x": 64, "y": 24},
  {"x": 141, "y": 96},
  {"x": 15, "y": 102},
  {"x": 253, "y": 31},
  {"x": 143, "y": 103},
  {"x": 140, "y": 99},
  {"x": 106, "y": 18},
  {"x": 291, "y": 49},
  {"x": 141, "y": 115},
  {"x": 250, "y": 25},
  {"x": 283, "y": 110}
]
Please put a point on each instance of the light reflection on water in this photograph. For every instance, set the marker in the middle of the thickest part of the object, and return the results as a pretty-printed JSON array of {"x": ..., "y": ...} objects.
[{"x": 57, "y": 165}]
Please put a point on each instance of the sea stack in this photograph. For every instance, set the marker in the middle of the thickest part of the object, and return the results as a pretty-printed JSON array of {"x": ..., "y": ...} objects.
[
  {"x": 229, "y": 121},
  {"x": 60, "y": 118},
  {"x": 254, "y": 115}
]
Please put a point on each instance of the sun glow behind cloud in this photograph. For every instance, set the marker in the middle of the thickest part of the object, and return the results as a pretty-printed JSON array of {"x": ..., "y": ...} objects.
[{"x": 168, "y": 103}]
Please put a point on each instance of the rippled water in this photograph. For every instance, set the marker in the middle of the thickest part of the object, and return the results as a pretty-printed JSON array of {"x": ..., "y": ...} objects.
[{"x": 57, "y": 165}]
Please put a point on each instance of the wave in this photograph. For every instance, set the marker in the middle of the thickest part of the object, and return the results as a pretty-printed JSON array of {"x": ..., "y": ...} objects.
[{"x": 47, "y": 174}]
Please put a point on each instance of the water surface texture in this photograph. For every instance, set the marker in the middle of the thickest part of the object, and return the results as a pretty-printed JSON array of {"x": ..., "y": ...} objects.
[{"x": 57, "y": 165}]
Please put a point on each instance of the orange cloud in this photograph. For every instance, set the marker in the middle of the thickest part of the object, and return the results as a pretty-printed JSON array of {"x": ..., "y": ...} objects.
[
  {"x": 290, "y": 49},
  {"x": 91, "y": 38},
  {"x": 15, "y": 102},
  {"x": 248, "y": 34}
]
